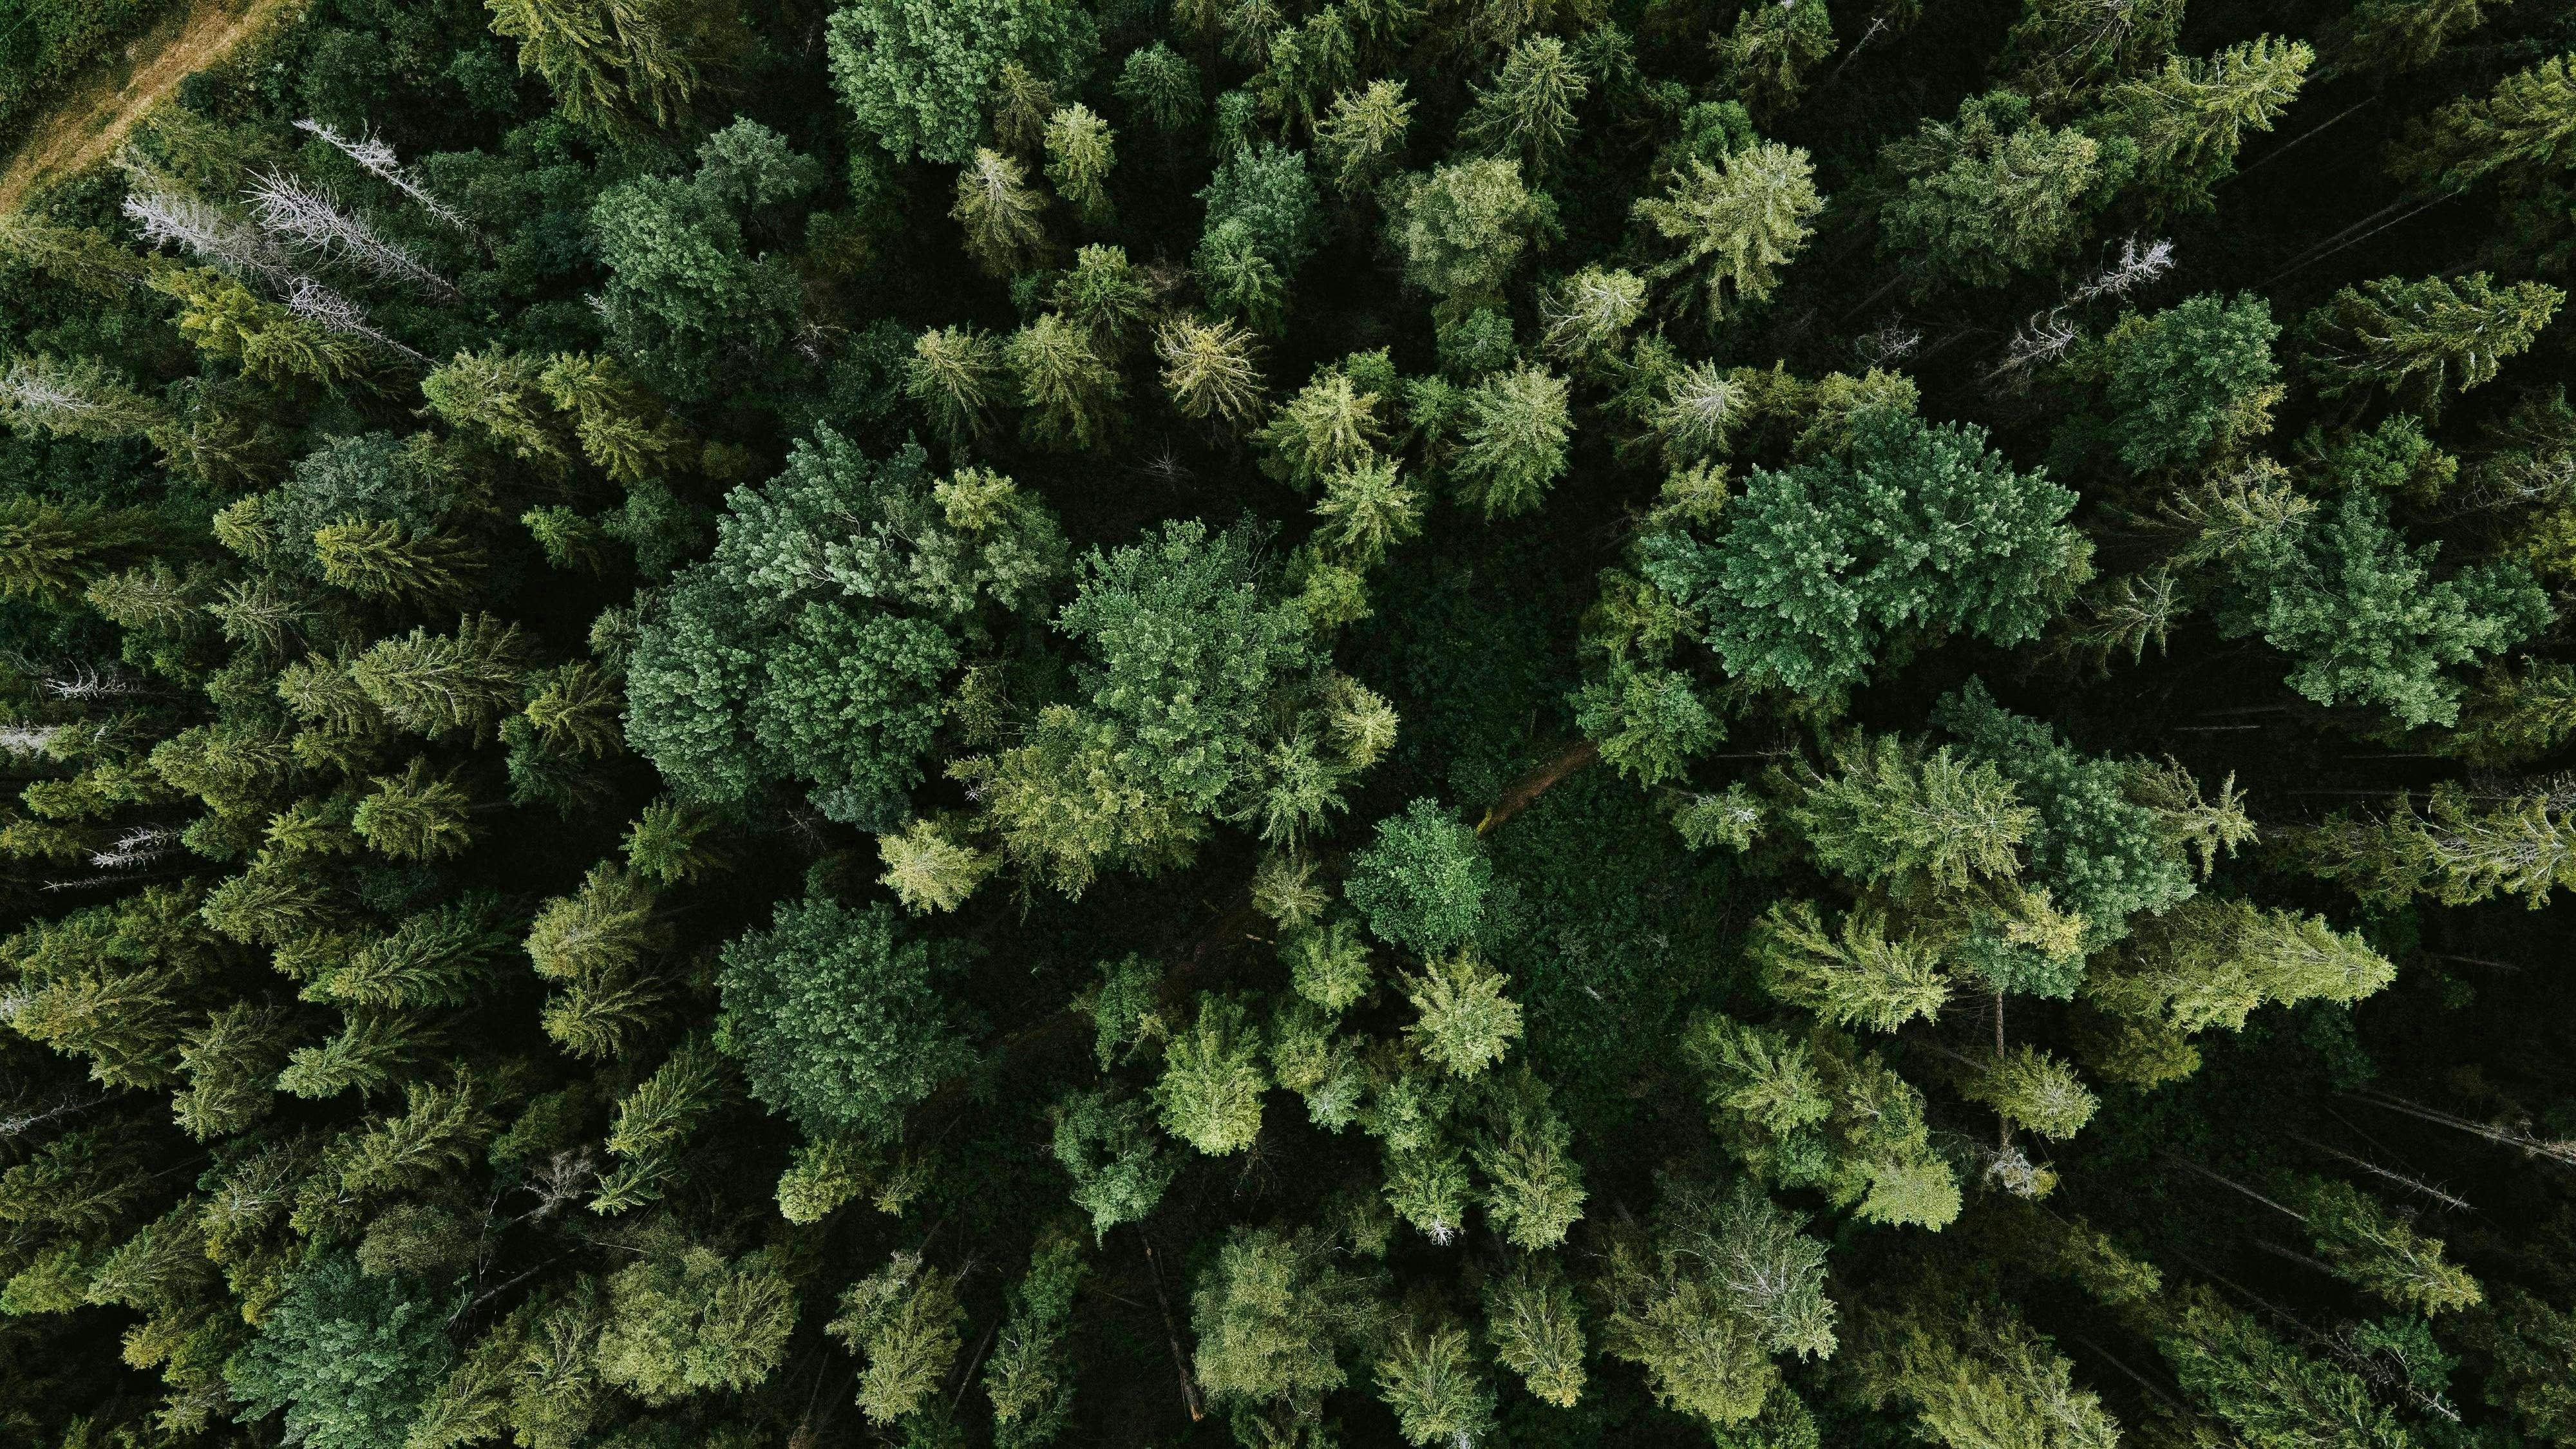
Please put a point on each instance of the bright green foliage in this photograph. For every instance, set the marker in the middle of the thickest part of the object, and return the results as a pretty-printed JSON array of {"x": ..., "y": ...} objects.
[
  {"x": 1162, "y": 83},
  {"x": 1512, "y": 444},
  {"x": 1069, "y": 393},
  {"x": 1271, "y": 1314},
  {"x": 1115, "y": 1157},
  {"x": 1209, "y": 1094},
  {"x": 2036, "y": 1092},
  {"x": 2380, "y": 1252},
  {"x": 1983, "y": 1380},
  {"x": 1896, "y": 812},
  {"x": 1422, "y": 884},
  {"x": 49, "y": 551},
  {"x": 1915, "y": 528},
  {"x": 2190, "y": 381},
  {"x": 1363, "y": 135},
  {"x": 2272, "y": 1395},
  {"x": 2211, "y": 963},
  {"x": 1108, "y": 294},
  {"x": 902, "y": 1321},
  {"x": 1737, "y": 224},
  {"x": 837, "y": 1017},
  {"x": 2366, "y": 619},
  {"x": 1530, "y": 1319},
  {"x": 1768, "y": 54},
  {"x": 929, "y": 868},
  {"x": 1534, "y": 1186},
  {"x": 2452, "y": 851},
  {"x": 954, "y": 373},
  {"x": 810, "y": 646},
  {"x": 1429, "y": 1378},
  {"x": 609, "y": 65},
  {"x": 914, "y": 72},
  {"x": 1584, "y": 315},
  {"x": 416, "y": 815},
  {"x": 1722, "y": 1284},
  {"x": 2422, "y": 340},
  {"x": 1001, "y": 212},
  {"x": 2188, "y": 119},
  {"x": 1267, "y": 193},
  {"x": 1995, "y": 192},
  {"x": 1331, "y": 425},
  {"x": 347, "y": 1357},
  {"x": 1028, "y": 1378},
  {"x": 1461, "y": 229},
  {"x": 1528, "y": 110},
  {"x": 1211, "y": 369},
  {"x": 2098, "y": 851},
  {"x": 690, "y": 1321},
  {"x": 2523, "y": 127},
  {"x": 1819, "y": 1113},
  {"x": 1857, "y": 976},
  {"x": 1080, "y": 150},
  {"x": 1464, "y": 1023}
]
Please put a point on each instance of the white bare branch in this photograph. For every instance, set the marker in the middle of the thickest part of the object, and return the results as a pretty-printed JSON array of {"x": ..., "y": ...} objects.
[
  {"x": 308, "y": 219},
  {"x": 379, "y": 161}
]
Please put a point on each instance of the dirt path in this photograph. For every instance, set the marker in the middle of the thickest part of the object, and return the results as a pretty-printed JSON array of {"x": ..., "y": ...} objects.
[{"x": 87, "y": 127}]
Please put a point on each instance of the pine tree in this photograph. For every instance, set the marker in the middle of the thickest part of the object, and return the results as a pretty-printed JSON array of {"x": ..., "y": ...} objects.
[
  {"x": 1530, "y": 1319},
  {"x": 438, "y": 684},
  {"x": 1080, "y": 150},
  {"x": 1001, "y": 214},
  {"x": 693, "y": 1322},
  {"x": 1114, "y": 1154},
  {"x": 1896, "y": 810},
  {"x": 1858, "y": 975},
  {"x": 1362, "y": 138},
  {"x": 1163, "y": 84},
  {"x": 1366, "y": 510},
  {"x": 1462, "y": 229},
  {"x": 1209, "y": 1093},
  {"x": 1528, "y": 110},
  {"x": 654, "y": 1122},
  {"x": 1513, "y": 442},
  {"x": 902, "y": 1321},
  {"x": 2034, "y": 1091},
  {"x": 608, "y": 63},
  {"x": 50, "y": 551},
  {"x": 1428, "y": 1377},
  {"x": 1768, "y": 54},
  {"x": 2189, "y": 119},
  {"x": 1583, "y": 316},
  {"x": 952, "y": 373},
  {"x": 1329, "y": 425},
  {"x": 1990, "y": 194},
  {"x": 1524, "y": 1150},
  {"x": 382, "y": 559},
  {"x": 1271, "y": 1313},
  {"x": 2270, "y": 1394},
  {"x": 2523, "y": 127},
  {"x": 79, "y": 399},
  {"x": 1070, "y": 395},
  {"x": 2381, "y": 1253},
  {"x": 1028, "y": 1377},
  {"x": 2422, "y": 340},
  {"x": 1212, "y": 370},
  {"x": 417, "y": 815}
]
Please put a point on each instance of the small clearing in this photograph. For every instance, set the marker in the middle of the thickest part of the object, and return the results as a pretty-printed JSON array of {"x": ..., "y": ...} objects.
[{"x": 88, "y": 125}]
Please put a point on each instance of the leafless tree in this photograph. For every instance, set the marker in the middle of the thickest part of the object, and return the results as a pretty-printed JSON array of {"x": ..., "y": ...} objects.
[
  {"x": 307, "y": 219},
  {"x": 311, "y": 300},
  {"x": 379, "y": 161}
]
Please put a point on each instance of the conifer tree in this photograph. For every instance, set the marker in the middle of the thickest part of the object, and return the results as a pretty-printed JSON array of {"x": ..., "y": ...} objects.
[
  {"x": 1211, "y": 370},
  {"x": 1001, "y": 214},
  {"x": 1163, "y": 84},
  {"x": 1210, "y": 1090},
  {"x": 1080, "y": 150},
  {"x": 2423, "y": 340},
  {"x": 2522, "y": 127},
  {"x": 1527, "y": 111},
  {"x": 1768, "y": 54},
  {"x": 1513, "y": 441},
  {"x": 902, "y": 1321},
  {"x": 1362, "y": 138},
  {"x": 1530, "y": 1318},
  {"x": 1070, "y": 394},
  {"x": 1428, "y": 1377},
  {"x": 954, "y": 373}
]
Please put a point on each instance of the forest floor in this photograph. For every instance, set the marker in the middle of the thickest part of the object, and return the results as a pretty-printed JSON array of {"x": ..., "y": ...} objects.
[{"x": 86, "y": 127}]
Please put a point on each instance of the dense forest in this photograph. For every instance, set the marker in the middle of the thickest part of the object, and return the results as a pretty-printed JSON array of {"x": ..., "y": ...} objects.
[{"x": 1296, "y": 722}]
